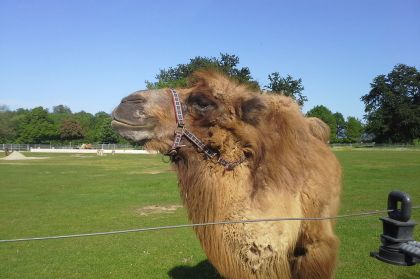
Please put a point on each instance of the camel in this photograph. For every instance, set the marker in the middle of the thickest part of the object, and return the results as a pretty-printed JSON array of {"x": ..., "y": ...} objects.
[{"x": 242, "y": 155}]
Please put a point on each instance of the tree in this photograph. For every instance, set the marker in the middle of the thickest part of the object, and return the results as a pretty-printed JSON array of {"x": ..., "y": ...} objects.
[
  {"x": 354, "y": 129},
  {"x": 4, "y": 108},
  {"x": 393, "y": 105},
  {"x": 7, "y": 131},
  {"x": 228, "y": 64},
  {"x": 287, "y": 86},
  {"x": 61, "y": 109},
  {"x": 41, "y": 126},
  {"x": 70, "y": 129},
  {"x": 105, "y": 133},
  {"x": 37, "y": 127},
  {"x": 327, "y": 116},
  {"x": 179, "y": 75},
  {"x": 59, "y": 114},
  {"x": 341, "y": 125},
  {"x": 87, "y": 122}
]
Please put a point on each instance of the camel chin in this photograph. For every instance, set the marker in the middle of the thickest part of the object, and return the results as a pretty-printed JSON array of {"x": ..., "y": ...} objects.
[{"x": 131, "y": 132}]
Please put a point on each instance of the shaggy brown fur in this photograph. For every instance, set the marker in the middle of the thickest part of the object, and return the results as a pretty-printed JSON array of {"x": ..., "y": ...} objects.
[
  {"x": 289, "y": 172},
  {"x": 319, "y": 129}
]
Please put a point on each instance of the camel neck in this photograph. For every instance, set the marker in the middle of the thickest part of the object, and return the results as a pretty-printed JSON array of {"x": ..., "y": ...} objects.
[{"x": 211, "y": 194}]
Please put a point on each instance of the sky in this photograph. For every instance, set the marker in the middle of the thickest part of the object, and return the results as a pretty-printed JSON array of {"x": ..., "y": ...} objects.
[{"x": 89, "y": 54}]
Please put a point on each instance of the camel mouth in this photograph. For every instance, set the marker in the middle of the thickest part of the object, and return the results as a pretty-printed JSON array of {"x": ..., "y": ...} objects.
[
  {"x": 136, "y": 133},
  {"x": 117, "y": 124}
]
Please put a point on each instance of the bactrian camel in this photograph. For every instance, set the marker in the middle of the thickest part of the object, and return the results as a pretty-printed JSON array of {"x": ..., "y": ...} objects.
[{"x": 242, "y": 155}]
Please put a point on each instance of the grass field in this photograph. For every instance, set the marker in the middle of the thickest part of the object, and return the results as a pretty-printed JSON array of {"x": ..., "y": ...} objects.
[{"x": 68, "y": 194}]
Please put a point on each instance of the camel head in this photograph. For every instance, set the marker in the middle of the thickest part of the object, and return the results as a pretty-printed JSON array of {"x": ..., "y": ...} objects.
[{"x": 221, "y": 113}]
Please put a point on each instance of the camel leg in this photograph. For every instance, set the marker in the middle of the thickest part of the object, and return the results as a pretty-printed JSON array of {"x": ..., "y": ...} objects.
[{"x": 315, "y": 255}]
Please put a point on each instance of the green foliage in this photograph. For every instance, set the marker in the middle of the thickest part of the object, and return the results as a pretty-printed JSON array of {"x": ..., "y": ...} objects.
[
  {"x": 7, "y": 131},
  {"x": 393, "y": 105},
  {"x": 105, "y": 132},
  {"x": 88, "y": 123},
  {"x": 327, "y": 116},
  {"x": 10, "y": 121},
  {"x": 341, "y": 125},
  {"x": 342, "y": 131},
  {"x": 37, "y": 127},
  {"x": 179, "y": 75},
  {"x": 40, "y": 126},
  {"x": 286, "y": 86},
  {"x": 354, "y": 129},
  {"x": 62, "y": 109}
]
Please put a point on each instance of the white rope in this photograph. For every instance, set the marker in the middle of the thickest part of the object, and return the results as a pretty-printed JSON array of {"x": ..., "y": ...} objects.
[{"x": 361, "y": 214}]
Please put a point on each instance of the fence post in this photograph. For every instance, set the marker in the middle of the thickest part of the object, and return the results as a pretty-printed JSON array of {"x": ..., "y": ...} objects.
[{"x": 398, "y": 246}]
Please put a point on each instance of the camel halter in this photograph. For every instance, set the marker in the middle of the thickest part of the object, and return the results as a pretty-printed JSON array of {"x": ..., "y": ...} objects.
[{"x": 181, "y": 132}]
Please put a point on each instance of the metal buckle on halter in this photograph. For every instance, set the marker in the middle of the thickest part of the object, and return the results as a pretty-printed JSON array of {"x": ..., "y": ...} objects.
[
  {"x": 179, "y": 130},
  {"x": 172, "y": 152}
]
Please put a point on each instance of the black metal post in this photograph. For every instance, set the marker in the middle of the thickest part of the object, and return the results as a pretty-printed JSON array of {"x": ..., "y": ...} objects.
[{"x": 398, "y": 246}]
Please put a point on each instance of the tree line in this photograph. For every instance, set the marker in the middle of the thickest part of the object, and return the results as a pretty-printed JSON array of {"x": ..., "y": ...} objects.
[
  {"x": 392, "y": 108},
  {"x": 61, "y": 125}
]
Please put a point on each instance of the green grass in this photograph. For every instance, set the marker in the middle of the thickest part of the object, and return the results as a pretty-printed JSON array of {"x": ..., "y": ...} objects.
[
  {"x": 368, "y": 178},
  {"x": 69, "y": 194}
]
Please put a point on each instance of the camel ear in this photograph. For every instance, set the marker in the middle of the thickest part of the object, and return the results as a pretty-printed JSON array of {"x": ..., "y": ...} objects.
[{"x": 251, "y": 110}]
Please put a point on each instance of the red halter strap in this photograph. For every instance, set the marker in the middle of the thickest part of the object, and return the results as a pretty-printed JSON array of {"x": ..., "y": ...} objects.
[{"x": 181, "y": 131}]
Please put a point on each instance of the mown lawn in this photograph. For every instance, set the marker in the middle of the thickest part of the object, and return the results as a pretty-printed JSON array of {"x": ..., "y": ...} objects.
[{"x": 68, "y": 194}]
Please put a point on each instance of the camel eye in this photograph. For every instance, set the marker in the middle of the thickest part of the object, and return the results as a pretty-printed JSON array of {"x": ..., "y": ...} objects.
[
  {"x": 202, "y": 106},
  {"x": 201, "y": 102}
]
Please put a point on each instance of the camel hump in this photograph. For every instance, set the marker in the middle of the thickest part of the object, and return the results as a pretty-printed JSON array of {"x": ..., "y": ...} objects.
[{"x": 319, "y": 129}]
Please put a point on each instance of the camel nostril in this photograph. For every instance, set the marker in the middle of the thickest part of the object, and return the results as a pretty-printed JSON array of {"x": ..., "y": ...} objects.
[
  {"x": 129, "y": 112},
  {"x": 134, "y": 98}
]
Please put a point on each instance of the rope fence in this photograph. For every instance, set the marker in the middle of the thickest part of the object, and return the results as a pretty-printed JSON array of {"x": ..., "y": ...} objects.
[{"x": 229, "y": 222}]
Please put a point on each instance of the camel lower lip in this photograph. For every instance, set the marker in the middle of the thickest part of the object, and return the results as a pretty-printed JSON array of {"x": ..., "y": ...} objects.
[
  {"x": 136, "y": 133},
  {"x": 128, "y": 125}
]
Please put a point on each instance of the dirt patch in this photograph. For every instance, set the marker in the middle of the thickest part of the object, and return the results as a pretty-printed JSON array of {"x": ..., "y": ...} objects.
[
  {"x": 157, "y": 209},
  {"x": 98, "y": 175},
  {"x": 82, "y": 156},
  {"x": 153, "y": 171},
  {"x": 148, "y": 172},
  {"x": 16, "y": 164},
  {"x": 68, "y": 172},
  {"x": 134, "y": 172},
  {"x": 15, "y": 155}
]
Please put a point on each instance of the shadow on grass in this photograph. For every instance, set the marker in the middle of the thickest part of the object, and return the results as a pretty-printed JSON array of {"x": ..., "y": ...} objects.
[{"x": 203, "y": 270}]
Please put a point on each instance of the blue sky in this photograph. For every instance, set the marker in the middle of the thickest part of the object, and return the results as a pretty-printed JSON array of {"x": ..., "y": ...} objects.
[{"x": 89, "y": 54}]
